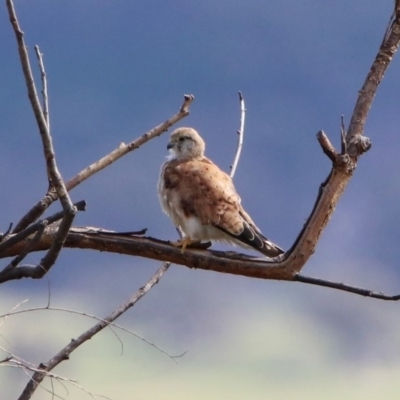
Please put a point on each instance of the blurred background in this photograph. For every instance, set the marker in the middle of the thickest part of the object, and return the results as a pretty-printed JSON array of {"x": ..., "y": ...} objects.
[{"x": 115, "y": 70}]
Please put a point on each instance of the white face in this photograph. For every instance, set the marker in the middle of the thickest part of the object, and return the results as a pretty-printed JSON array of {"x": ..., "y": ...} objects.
[
  {"x": 181, "y": 146},
  {"x": 171, "y": 154}
]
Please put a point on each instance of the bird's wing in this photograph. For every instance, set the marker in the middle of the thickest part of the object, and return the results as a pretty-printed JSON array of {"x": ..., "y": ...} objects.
[{"x": 206, "y": 192}]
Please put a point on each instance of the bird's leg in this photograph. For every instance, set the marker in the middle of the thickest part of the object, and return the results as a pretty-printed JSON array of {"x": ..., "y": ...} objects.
[{"x": 183, "y": 243}]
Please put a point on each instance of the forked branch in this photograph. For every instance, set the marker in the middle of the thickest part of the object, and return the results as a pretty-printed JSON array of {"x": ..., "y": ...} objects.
[
  {"x": 40, "y": 207},
  {"x": 42, "y": 119},
  {"x": 64, "y": 354}
]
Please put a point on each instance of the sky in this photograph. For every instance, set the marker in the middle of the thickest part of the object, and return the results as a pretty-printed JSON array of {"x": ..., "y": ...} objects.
[{"x": 117, "y": 69}]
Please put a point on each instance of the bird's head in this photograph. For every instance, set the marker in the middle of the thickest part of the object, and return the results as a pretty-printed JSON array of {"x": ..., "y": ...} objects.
[{"x": 185, "y": 144}]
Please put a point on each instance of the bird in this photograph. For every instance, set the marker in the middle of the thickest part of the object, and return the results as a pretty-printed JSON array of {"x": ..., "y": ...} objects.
[{"x": 201, "y": 199}]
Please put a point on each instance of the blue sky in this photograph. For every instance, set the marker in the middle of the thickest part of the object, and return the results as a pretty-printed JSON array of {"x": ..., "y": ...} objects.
[{"x": 115, "y": 70}]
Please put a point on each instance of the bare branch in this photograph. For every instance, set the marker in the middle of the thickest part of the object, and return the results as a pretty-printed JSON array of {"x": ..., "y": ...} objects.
[
  {"x": 382, "y": 60},
  {"x": 343, "y": 164},
  {"x": 327, "y": 146},
  {"x": 345, "y": 288},
  {"x": 240, "y": 133},
  {"x": 64, "y": 354},
  {"x": 110, "y": 324},
  {"x": 343, "y": 142},
  {"x": 40, "y": 270},
  {"x": 229, "y": 262},
  {"x": 45, "y": 96},
  {"x": 4, "y": 317},
  {"x": 26, "y": 68},
  {"x": 52, "y": 170},
  {"x": 29, "y": 247},
  {"x": 17, "y": 362},
  {"x": 8, "y": 241},
  {"x": 38, "y": 209}
]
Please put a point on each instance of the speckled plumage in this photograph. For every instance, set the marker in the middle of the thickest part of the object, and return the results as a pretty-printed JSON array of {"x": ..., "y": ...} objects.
[{"x": 202, "y": 200}]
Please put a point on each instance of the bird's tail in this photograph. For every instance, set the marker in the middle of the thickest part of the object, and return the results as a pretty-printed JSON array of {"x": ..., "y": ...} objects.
[
  {"x": 252, "y": 237},
  {"x": 269, "y": 248}
]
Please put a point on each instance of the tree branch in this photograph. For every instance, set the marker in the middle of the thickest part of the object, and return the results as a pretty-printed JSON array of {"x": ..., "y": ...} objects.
[
  {"x": 64, "y": 354},
  {"x": 345, "y": 162},
  {"x": 224, "y": 262},
  {"x": 29, "y": 247},
  {"x": 38, "y": 209},
  {"x": 388, "y": 48},
  {"x": 218, "y": 261},
  {"x": 45, "y": 96},
  {"x": 29, "y": 244},
  {"x": 49, "y": 155},
  {"x": 110, "y": 324},
  {"x": 345, "y": 288},
  {"x": 240, "y": 133},
  {"x": 9, "y": 240}
]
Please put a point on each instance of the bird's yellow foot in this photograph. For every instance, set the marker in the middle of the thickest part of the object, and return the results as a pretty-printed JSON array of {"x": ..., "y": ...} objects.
[{"x": 183, "y": 243}]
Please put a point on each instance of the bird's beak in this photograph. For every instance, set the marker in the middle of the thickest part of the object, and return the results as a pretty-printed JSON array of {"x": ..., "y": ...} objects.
[{"x": 170, "y": 146}]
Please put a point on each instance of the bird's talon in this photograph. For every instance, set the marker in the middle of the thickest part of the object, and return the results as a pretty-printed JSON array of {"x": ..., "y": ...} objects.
[
  {"x": 186, "y": 242},
  {"x": 183, "y": 243}
]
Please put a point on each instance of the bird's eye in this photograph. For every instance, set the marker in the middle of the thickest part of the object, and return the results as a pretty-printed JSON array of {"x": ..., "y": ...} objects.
[{"x": 181, "y": 139}]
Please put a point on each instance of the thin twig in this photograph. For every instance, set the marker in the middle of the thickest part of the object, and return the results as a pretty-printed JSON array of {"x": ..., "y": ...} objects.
[
  {"x": 343, "y": 142},
  {"x": 19, "y": 363},
  {"x": 387, "y": 50},
  {"x": 240, "y": 133},
  {"x": 45, "y": 96},
  {"x": 345, "y": 288},
  {"x": 28, "y": 248},
  {"x": 37, "y": 210},
  {"x": 110, "y": 324},
  {"x": 64, "y": 354},
  {"x": 49, "y": 154},
  {"x": 4, "y": 317},
  {"x": 327, "y": 146}
]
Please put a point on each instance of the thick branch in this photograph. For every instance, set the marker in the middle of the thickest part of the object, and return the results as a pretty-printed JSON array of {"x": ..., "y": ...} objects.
[
  {"x": 89, "y": 238},
  {"x": 218, "y": 261}
]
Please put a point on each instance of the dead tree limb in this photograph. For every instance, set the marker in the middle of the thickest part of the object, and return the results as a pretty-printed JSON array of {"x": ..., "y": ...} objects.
[
  {"x": 53, "y": 173},
  {"x": 210, "y": 260},
  {"x": 240, "y": 133},
  {"x": 64, "y": 354}
]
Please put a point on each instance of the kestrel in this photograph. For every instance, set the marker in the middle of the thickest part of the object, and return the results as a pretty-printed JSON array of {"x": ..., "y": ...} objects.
[{"x": 202, "y": 200}]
